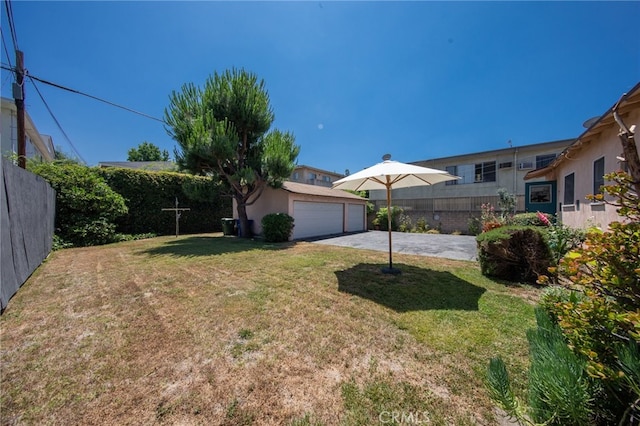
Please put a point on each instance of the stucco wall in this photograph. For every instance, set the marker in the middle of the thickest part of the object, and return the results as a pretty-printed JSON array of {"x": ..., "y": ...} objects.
[
  {"x": 582, "y": 213},
  {"x": 511, "y": 178},
  {"x": 271, "y": 201},
  {"x": 281, "y": 201}
]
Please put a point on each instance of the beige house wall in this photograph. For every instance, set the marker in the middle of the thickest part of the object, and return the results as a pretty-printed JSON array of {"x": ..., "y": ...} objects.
[
  {"x": 313, "y": 176},
  {"x": 582, "y": 213},
  {"x": 37, "y": 146},
  {"x": 282, "y": 201},
  {"x": 271, "y": 201}
]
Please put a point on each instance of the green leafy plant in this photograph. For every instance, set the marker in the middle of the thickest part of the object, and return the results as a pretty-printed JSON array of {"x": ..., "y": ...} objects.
[
  {"x": 474, "y": 225},
  {"x": 86, "y": 207},
  {"x": 530, "y": 219},
  {"x": 513, "y": 253},
  {"x": 421, "y": 225},
  {"x": 223, "y": 130},
  {"x": 406, "y": 224},
  {"x": 382, "y": 218},
  {"x": 507, "y": 203},
  {"x": 277, "y": 227},
  {"x": 605, "y": 318},
  {"x": 147, "y": 151},
  {"x": 147, "y": 193},
  {"x": 560, "y": 391}
]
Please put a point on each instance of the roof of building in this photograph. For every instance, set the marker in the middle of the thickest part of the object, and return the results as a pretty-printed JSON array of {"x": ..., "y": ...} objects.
[
  {"x": 315, "y": 169},
  {"x": 627, "y": 102},
  {"x": 535, "y": 146},
  {"x": 155, "y": 166},
  {"x": 302, "y": 188}
]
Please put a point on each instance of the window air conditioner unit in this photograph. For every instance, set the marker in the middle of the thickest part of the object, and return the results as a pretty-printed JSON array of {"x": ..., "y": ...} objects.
[{"x": 525, "y": 165}]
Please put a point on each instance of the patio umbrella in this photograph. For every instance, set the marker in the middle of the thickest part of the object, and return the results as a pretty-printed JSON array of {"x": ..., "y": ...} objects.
[{"x": 389, "y": 175}]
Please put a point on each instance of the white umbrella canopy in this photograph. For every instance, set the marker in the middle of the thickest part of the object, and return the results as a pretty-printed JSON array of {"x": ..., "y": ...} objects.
[{"x": 392, "y": 175}]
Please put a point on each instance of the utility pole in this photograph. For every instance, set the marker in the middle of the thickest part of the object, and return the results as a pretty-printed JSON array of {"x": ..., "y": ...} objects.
[{"x": 18, "y": 96}]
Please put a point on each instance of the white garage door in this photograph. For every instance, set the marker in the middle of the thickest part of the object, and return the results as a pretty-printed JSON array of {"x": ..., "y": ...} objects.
[
  {"x": 355, "y": 218},
  {"x": 315, "y": 219}
]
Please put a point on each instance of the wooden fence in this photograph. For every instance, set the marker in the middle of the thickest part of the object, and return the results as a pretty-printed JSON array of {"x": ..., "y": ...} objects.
[{"x": 27, "y": 218}]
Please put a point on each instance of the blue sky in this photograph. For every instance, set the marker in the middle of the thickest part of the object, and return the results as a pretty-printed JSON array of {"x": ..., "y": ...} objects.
[{"x": 351, "y": 80}]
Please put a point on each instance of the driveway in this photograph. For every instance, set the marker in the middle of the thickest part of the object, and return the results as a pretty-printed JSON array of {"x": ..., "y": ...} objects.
[{"x": 459, "y": 247}]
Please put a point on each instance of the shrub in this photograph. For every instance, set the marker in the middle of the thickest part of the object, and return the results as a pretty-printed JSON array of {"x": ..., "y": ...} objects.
[
  {"x": 422, "y": 225},
  {"x": 507, "y": 203},
  {"x": 277, "y": 227},
  {"x": 383, "y": 221},
  {"x": 561, "y": 239},
  {"x": 406, "y": 225},
  {"x": 475, "y": 225},
  {"x": 512, "y": 253},
  {"x": 86, "y": 207},
  {"x": 147, "y": 193},
  {"x": 529, "y": 219},
  {"x": 560, "y": 391}
]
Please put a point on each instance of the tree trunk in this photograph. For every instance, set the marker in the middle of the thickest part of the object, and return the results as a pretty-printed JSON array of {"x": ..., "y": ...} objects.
[
  {"x": 631, "y": 156},
  {"x": 245, "y": 232},
  {"x": 629, "y": 148}
]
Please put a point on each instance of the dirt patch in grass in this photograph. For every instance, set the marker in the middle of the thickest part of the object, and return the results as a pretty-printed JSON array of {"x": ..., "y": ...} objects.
[{"x": 217, "y": 330}]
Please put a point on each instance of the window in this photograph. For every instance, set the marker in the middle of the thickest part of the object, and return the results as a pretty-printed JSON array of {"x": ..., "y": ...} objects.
[
  {"x": 569, "y": 181},
  {"x": 544, "y": 160},
  {"x": 485, "y": 172},
  {"x": 312, "y": 176},
  {"x": 525, "y": 165},
  {"x": 452, "y": 170},
  {"x": 598, "y": 175},
  {"x": 296, "y": 176},
  {"x": 326, "y": 178},
  {"x": 540, "y": 194},
  {"x": 505, "y": 165}
]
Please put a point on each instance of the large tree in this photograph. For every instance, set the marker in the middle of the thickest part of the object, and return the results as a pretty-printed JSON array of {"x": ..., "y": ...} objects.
[
  {"x": 223, "y": 131},
  {"x": 147, "y": 151}
]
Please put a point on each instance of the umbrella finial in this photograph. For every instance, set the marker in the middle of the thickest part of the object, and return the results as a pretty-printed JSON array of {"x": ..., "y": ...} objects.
[{"x": 386, "y": 157}]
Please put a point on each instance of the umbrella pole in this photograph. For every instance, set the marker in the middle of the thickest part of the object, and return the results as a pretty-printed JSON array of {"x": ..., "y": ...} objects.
[{"x": 390, "y": 269}]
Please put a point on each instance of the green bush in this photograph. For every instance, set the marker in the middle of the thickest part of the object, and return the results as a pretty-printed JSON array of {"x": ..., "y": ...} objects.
[
  {"x": 529, "y": 219},
  {"x": 147, "y": 193},
  {"x": 86, "y": 207},
  {"x": 406, "y": 224},
  {"x": 383, "y": 220},
  {"x": 513, "y": 253},
  {"x": 277, "y": 227},
  {"x": 560, "y": 390},
  {"x": 475, "y": 225},
  {"x": 421, "y": 225},
  {"x": 561, "y": 239}
]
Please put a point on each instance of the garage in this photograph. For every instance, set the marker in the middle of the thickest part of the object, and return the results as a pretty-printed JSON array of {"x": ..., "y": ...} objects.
[
  {"x": 355, "y": 218},
  {"x": 317, "y": 211},
  {"x": 315, "y": 218}
]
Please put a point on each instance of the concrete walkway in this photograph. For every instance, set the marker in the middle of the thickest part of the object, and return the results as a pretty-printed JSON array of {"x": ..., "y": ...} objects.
[{"x": 459, "y": 247}]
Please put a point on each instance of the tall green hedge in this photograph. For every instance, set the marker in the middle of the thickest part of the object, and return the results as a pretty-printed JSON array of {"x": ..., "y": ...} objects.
[
  {"x": 86, "y": 206},
  {"x": 146, "y": 193}
]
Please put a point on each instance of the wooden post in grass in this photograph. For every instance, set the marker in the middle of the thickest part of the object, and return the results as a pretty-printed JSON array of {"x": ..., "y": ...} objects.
[{"x": 178, "y": 214}]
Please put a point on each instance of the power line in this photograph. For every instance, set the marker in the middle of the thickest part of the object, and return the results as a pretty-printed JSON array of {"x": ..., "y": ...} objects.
[
  {"x": 6, "y": 51},
  {"x": 56, "y": 120},
  {"x": 97, "y": 99},
  {"x": 91, "y": 96},
  {"x": 12, "y": 27}
]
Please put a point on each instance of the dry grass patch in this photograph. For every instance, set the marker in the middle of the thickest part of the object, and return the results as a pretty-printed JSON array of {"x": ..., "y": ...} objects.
[{"x": 217, "y": 330}]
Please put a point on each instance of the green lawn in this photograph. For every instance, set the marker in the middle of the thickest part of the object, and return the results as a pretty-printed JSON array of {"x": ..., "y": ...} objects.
[{"x": 216, "y": 330}]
